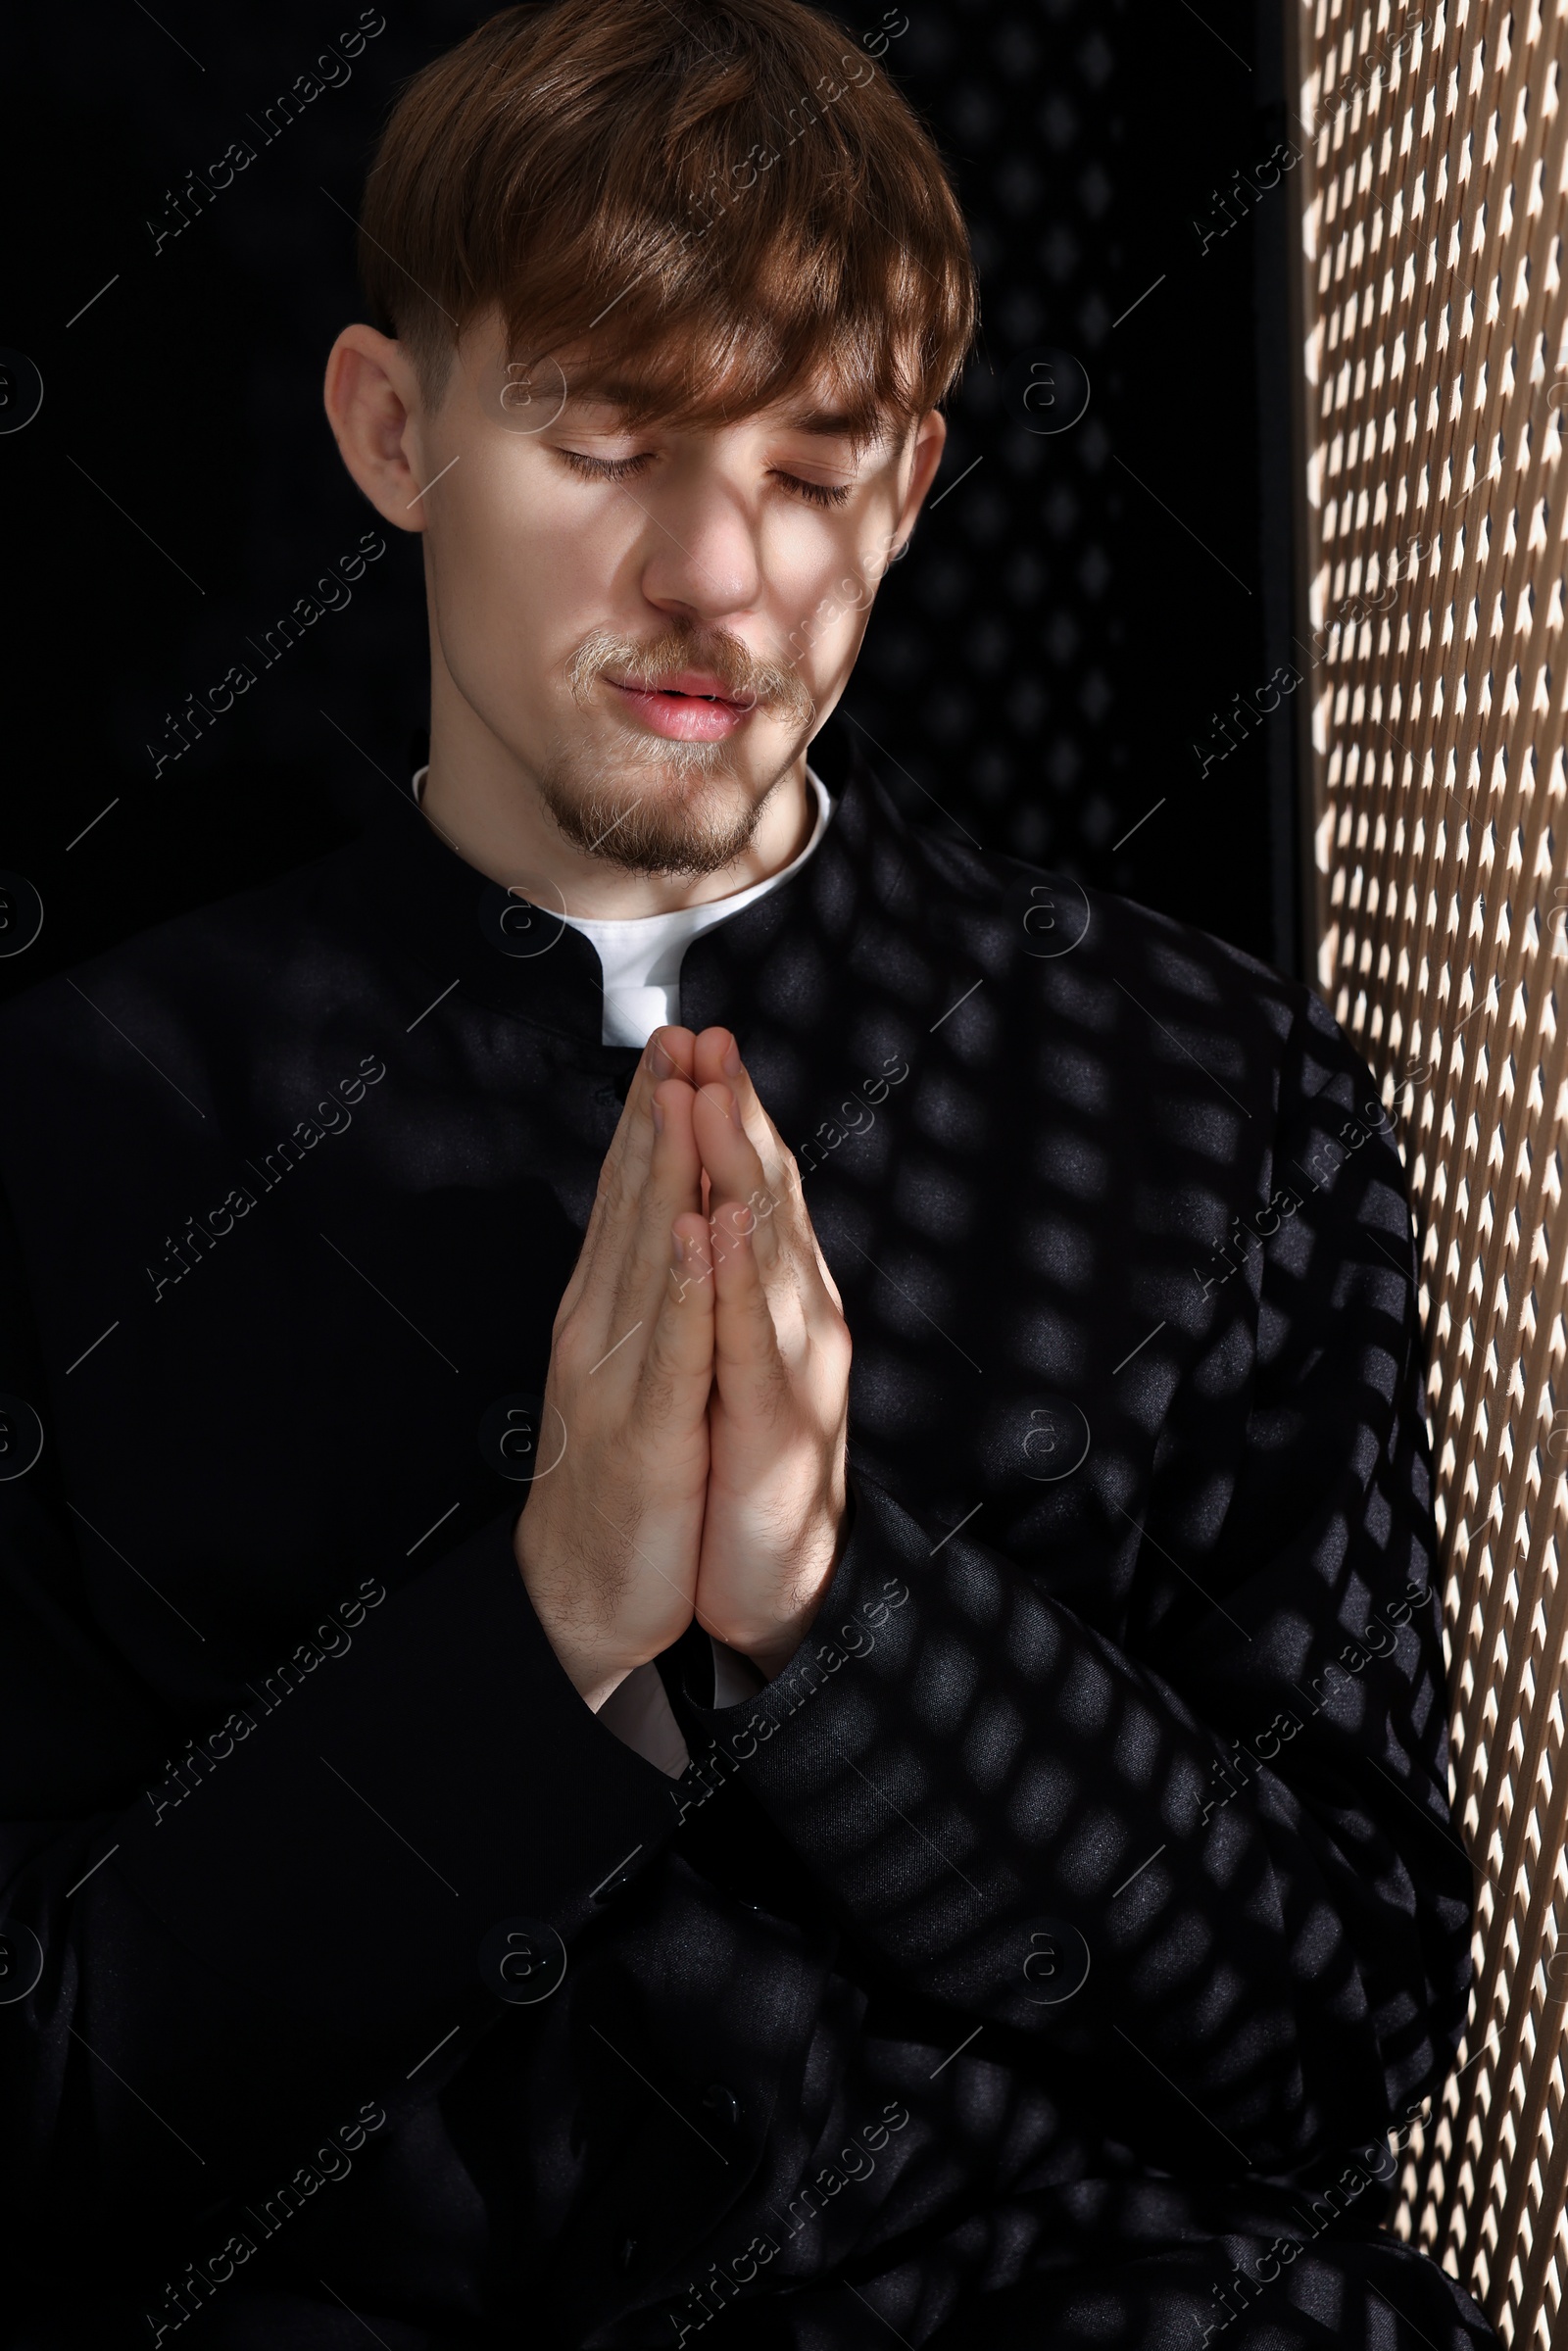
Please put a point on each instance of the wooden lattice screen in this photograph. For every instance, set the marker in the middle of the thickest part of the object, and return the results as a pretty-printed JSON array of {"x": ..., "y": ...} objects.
[{"x": 1434, "y": 204}]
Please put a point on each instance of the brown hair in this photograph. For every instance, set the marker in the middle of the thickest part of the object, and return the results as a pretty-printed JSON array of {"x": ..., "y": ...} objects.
[{"x": 725, "y": 194}]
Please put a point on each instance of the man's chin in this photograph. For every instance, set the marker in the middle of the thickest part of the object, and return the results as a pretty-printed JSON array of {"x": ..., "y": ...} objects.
[{"x": 659, "y": 812}]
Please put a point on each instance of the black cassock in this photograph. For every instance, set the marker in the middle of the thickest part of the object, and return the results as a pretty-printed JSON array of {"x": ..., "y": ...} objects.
[{"x": 1042, "y": 1958}]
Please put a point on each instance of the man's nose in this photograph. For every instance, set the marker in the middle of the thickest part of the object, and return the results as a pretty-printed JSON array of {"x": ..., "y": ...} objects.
[{"x": 701, "y": 558}]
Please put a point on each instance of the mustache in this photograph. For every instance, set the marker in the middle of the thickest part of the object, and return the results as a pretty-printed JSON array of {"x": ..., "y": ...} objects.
[{"x": 744, "y": 676}]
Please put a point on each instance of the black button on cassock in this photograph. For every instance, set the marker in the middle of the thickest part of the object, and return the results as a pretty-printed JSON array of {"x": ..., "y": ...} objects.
[{"x": 724, "y": 2102}]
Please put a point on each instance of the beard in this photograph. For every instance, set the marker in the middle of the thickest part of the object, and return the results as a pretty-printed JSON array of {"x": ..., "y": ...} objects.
[
  {"x": 675, "y": 808},
  {"x": 655, "y": 806}
]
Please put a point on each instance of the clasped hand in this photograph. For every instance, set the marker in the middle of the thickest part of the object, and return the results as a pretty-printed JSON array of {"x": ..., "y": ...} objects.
[{"x": 700, "y": 1365}]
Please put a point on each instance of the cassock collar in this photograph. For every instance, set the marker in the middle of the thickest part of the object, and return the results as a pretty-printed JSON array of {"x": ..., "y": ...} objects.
[{"x": 782, "y": 957}]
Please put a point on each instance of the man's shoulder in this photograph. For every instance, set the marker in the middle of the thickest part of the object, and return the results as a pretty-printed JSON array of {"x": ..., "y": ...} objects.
[
  {"x": 1050, "y": 941},
  {"x": 187, "y": 983},
  {"x": 1036, "y": 923}
]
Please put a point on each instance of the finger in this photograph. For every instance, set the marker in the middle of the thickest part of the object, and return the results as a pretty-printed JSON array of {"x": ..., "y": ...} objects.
[
  {"x": 677, "y": 1365},
  {"x": 778, "y": 1199},
  {"x": 677, "y": 1376},
  {"x": 669, "y": 1050},
  {"x": 627, "y": 1278},
  {"x": 778, "y": 1160},
  {"x": 670, "y": 1053},
  {"x": 717, "y": 1061},
  {"x": 669, "y": 1170},
  {"x": 749, "y": 1368},
  {"x": 733, "y": 1165}
]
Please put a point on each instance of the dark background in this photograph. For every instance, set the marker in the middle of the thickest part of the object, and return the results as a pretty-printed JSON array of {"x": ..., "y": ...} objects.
[{"x": 1077, "y": 608}]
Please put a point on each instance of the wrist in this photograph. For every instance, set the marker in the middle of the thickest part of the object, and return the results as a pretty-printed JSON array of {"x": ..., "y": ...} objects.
[
  {"x": 772, "y": 1650},
  {"x": 594, "y": 1670},
  {"x": 593, "y": 1685},
  {"x": 771, "y": 1657}
]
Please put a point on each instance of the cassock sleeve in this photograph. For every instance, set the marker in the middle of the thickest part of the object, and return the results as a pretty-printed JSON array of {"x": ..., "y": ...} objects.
[
  {"x": 1200, "y": 1851},
  {"x": 638, "y": 1711},
  {"x": 190, "y": 1992}
]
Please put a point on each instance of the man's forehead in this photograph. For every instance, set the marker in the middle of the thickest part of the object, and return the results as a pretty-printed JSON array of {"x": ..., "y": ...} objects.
[
  {"x": 590, "y": 390},
  {"x": 809, "y": 410}
]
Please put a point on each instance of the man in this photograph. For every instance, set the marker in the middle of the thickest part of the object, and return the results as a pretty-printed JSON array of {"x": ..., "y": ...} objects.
[{"x": 549, "y": 1803}]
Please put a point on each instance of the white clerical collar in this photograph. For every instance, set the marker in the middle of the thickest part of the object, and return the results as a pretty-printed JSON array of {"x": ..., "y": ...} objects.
[{"x": 640, "y": 954}]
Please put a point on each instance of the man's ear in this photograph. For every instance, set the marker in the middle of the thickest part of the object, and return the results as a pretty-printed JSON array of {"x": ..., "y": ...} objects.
[
  {"x": 929, "y": 442},
  {"x": 372, "y": 405}
]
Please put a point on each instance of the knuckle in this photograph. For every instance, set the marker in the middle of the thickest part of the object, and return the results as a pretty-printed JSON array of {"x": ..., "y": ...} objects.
[{"x": 568, "y": 1353}]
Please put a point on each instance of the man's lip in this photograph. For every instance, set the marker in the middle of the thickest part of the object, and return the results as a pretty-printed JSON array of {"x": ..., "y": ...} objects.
[{"x": 694, "y": 682}]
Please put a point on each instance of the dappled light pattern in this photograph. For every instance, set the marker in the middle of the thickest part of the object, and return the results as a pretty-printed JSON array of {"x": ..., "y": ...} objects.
[
  {"x": 1436, "y": 204},
  {"x": 1045, "y": 1954}
]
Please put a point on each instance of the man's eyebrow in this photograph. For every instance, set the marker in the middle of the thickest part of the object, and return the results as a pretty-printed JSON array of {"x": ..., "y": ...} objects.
[
  {"x": 823, "y": 423},
  {"x": 831, "y": 424}
]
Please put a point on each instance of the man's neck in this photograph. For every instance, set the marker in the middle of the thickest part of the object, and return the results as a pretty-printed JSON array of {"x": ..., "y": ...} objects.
[{"x": 486, "y": 808}]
